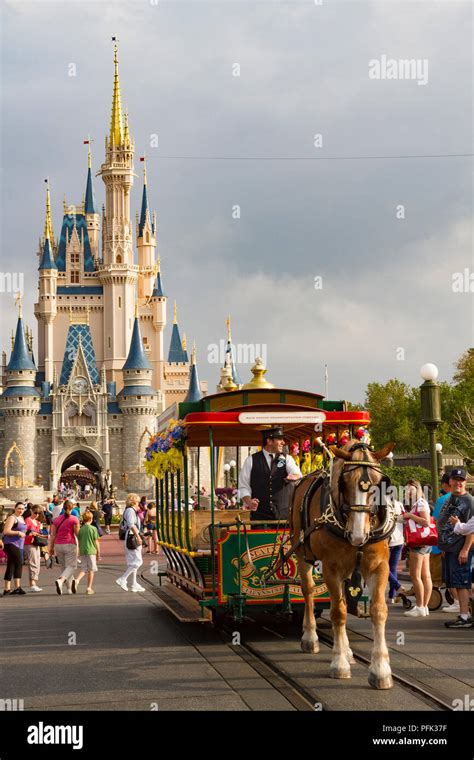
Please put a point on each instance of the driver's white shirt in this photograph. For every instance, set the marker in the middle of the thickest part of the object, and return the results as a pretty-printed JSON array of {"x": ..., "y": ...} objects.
[{"x": 246, "y": 471}]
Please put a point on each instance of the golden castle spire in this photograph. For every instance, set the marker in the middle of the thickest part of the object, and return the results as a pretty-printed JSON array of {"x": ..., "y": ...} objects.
[
  {"x": 48, "y": 224},
  {"x": 65, "y": 208},
  {"x": 18, "y": 298},
  {"x": 116, "y": 119},
  {"x": 184, "y": 342},
  {"x": 175, "y": 319},
  {"x": 229, "y": 335},
  {"x": 126, "y": 132},
  {"x": 89, "y": 155},
  {"x": 158, "y": 264},
  {"x": 193, "y": 353}
]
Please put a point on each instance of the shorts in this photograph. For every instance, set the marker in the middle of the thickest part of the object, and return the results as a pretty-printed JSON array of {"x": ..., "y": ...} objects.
[
  {"x": 421, "y": 549},
  {"x": 89, "y": 562},
  {"x": 454, "y": 574}
]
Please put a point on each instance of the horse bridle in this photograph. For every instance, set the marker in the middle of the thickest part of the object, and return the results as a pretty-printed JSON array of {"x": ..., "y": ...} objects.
[{"x": 365, "y": 484}]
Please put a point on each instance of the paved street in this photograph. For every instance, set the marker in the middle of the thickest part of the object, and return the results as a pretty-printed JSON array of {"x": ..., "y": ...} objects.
[{"x": 130, "y": 653}]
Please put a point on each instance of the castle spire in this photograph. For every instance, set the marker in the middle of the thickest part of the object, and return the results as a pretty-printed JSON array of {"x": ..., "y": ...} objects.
[
  {"x": 20, "y": 358},
  {"x": 145, "y": 210},
  {"x": 137, "y": 358},
  {"x": 194, "y": 390},
  {"x": 126, "y": 132},
  {"x": 48, "y": 224},
  {"x": 89, "y": 198},
  {"x": 177, "y": 354},
  {"x": 116, "y": 118},
  {"x": 158, "y": 289},
  {"x": 229, "y": 356}
]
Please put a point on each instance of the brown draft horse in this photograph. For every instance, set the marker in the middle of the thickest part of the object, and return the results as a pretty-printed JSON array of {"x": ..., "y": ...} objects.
[{"x": 338, "y": 557}]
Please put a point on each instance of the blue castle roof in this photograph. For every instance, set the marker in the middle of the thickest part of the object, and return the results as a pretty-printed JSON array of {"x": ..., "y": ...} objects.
[
  {"x": 70, "y": 352},
  {"x": 47, "y": 259},
  {"x": 176, "y": 354},
  {"x": 136, "y": 390},
  {"x": 136, "y": 359},
  {"x": 194, "y": 391},
  {"x": 144, "y": 210},
  {"x": 21, "y": 390},
  {"x": 69, "y": 222},
  {"x": 158, "y": 289},
  {"x": 20, "y": 358},
  {"x": 89, "y": 201}
]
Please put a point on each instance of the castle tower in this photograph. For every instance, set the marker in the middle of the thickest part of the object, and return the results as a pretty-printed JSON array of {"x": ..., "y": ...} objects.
[
  {"x": 92, "y": 218},
  {"x": 139, "y": 405},
  {"x": 157, "y": 304},
  {"x": 146, "y": 244},
  {"x": 194, "y": 390},
  {"x": 46, "y": 308},
  {"x": 229, "y": 376},
  {"x": 21, "y": 403},
  {"x": 118, "y": 273}
]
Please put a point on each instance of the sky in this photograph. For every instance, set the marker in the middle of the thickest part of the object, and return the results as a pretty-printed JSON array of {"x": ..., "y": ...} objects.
[{"x": 341, "y": 252}]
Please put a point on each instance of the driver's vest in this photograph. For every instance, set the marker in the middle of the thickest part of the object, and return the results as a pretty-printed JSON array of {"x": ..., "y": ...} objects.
[{"x": 269, "y": 487}]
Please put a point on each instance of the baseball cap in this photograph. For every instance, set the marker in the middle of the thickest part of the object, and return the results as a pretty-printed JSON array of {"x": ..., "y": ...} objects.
[{"x": 458, "y": 472}]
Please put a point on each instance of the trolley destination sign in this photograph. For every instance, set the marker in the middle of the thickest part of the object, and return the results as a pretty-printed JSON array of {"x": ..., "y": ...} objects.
[{"x": 282, "y": 418}]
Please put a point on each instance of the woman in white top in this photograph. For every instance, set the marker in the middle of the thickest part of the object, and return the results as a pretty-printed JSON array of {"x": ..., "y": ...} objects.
[
  {"x": 419, "y": 560},
  {"x": 395, "y": 546},
  {"x": 133, "y": 557}
]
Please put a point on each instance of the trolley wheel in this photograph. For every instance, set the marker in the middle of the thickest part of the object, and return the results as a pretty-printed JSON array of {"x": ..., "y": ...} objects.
[
  {"x": 436, "y": 600},
  {"x": 448, "y": 596}
]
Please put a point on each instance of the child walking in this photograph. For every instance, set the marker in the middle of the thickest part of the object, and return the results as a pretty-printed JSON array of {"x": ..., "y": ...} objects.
[{"x": 89, "y": 552}]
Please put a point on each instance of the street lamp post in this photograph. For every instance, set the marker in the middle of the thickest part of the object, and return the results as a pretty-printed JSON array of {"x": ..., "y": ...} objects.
[
  {"x": 431, "y": 417},
  {"x": 439, "y": 459}
]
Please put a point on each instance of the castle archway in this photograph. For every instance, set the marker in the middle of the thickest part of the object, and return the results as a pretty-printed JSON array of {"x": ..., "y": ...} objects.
[{"x": 77, "y": 468}]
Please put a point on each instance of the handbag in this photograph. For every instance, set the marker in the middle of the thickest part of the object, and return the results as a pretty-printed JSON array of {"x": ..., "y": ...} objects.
[
  {"x": 420, "y": 535},
  {"x": 132, "y": 541},
  {"x": 40, "y": 541}
]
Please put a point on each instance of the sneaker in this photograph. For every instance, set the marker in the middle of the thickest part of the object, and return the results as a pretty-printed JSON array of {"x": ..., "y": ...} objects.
[
  {"x": 19, "y": 591},
  {"x": 35, "y": 588},
  {"x": 427, "y": 611},
  {"x": 415, "y": 612},
  {"x": 90, "y": 591},
  {"x": 137, "y": 588},
  {"x": 7, "y": 593},
  {"x": 123, "y": 584},
  {"x": 59, "y": 586},
  {"x": 459, "y": 623},
  {"x": 452, "y": 608},
  {"x": 74, "y": 585}
]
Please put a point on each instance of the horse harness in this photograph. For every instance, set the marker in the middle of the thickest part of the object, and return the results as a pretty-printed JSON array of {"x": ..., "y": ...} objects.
[{"x": 335, "y": 516}]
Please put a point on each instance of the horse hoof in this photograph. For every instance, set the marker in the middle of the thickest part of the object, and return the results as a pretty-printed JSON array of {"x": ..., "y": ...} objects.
[
  {"x": 339, "y": 673},
  {"x": 309, "y": 647},
  {"x": 380, "y": 683}
]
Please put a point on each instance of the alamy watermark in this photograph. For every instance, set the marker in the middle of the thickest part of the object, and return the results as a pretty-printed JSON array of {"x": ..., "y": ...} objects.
[
  {"x": 242, "y": 353},
  {"x": 415, "y": 69},
  {"x": 12, "y": 282}
]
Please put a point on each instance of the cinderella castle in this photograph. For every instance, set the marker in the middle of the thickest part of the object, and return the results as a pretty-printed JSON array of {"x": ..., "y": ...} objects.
[{"x": 90, "y": 397}]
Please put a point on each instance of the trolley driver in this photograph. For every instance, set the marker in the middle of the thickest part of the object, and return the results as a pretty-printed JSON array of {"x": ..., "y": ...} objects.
[{"x": 264, "y": 482}]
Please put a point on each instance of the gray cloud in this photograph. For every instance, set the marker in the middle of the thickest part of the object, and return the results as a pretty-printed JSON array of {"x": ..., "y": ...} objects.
[{"x": 304, "y": 70}]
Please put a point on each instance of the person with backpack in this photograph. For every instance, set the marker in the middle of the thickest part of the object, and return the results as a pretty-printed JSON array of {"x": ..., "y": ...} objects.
[
  {"x": 130, "y": 532},
  {"x": 13, "y": 542},
  {"x": 64, "y": 532}
]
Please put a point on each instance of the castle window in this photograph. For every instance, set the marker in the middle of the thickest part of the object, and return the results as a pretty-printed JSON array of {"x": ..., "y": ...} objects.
[
  {"x": 120, "y": 302},
  {"x": 75, "y": 277},
  {"x": 20, "y": 398},
  {"x": 118, "y": 259},
  {"x": 147, "y": 237},
  {"x": 138, "y": 397},
  {"x": 109, "y": 341}
]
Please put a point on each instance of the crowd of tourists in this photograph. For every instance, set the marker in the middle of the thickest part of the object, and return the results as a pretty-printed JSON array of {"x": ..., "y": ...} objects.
[
  {"x": 448, "y": 562},
  {"x": 60, "y": 535}
]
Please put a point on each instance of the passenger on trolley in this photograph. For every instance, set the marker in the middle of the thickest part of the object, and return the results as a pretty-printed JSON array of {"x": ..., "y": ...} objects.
[{"x": 264, "y": 482}]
